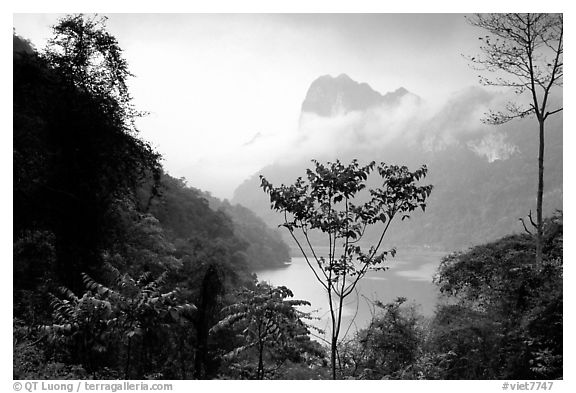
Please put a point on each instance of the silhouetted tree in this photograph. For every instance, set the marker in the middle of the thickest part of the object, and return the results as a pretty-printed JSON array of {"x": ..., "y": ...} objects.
[{"x": 324, "y": 203}]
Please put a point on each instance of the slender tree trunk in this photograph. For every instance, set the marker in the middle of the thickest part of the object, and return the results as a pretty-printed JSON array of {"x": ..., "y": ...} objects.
[
  {"x": 260, "y": 374},
  {"x": 333, "y": 359},
  {"x": 336, "y": 335},
  {"x": 540, "y": 193},
  {"x": 335, "y": 332},
  {"x": 182, "y": 359},
  {"x": 128, "y": 355},
  {"x": 208, "y": 303}
]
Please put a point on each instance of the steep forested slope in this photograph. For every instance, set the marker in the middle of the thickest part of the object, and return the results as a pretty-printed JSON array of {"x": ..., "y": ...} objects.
[
  {"x": 119, "y": 269},
  {"x": 266, "y": 248}
]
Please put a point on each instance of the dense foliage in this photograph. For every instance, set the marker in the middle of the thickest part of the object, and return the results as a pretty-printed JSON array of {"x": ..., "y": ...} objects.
[
  {"x": 76, "y": 159},
  {"x": 507, "y": 315},
  {"x": 501, "y": 319},
  {"x": 388, "y": 347}
]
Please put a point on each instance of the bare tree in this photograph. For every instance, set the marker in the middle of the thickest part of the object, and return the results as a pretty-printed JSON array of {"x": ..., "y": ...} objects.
[{"x": 525, "y": 53}]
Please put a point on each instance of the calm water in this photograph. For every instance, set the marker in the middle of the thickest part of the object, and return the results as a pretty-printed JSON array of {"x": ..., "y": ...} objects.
[{"x": 410, "y": 275}]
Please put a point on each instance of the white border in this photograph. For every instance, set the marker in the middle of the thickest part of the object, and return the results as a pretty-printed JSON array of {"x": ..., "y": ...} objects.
[{"x": 298, "y": 6}]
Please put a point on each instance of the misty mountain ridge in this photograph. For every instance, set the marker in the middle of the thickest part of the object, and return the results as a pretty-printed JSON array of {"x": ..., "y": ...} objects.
[
  {"x": 329, "y": 96},
  {"x": 484, "y": 176}
]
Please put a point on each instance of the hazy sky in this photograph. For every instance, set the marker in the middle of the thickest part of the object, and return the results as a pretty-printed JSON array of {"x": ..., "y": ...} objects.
[{"x": 213, "y": 81}]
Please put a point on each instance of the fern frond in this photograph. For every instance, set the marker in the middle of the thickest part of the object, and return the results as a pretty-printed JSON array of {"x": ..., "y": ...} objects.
[{"x": 94, "y": 286}]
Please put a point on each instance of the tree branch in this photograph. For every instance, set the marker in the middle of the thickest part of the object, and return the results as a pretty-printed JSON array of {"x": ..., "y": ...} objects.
[
  {"x": 362, "y": 272},
  {"x": 553, "y": 112},
  {"x": 531, "y": 220},
  {"x": 305, "y": 256},
  {"x": 524, "y": 225},
  {"x": 314, "y": 254}
]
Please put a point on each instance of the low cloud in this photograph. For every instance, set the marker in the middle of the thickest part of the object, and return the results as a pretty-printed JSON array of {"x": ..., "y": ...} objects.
[
  {"x": 357, "y": 130},
  {"x": 413, "y": 123}
]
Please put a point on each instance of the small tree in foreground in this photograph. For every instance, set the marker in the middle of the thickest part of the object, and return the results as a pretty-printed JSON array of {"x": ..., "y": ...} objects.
[
  {"x": 325, "y": 203},
  {"x": 271, "y": 327}
]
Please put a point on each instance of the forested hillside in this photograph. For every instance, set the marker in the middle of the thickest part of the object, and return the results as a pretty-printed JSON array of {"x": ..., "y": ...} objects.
[
  {"x": 265, "y": 246},
  {"x": 119, "y": 269}
]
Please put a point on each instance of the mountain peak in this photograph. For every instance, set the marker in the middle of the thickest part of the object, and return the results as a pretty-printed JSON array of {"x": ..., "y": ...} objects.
[
  {"x": 344, "y": 77},
  {"x": 329, "y": 96}
]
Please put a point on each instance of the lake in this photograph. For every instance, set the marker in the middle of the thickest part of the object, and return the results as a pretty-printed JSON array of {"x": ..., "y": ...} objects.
[{"x": 410, "y": 275}]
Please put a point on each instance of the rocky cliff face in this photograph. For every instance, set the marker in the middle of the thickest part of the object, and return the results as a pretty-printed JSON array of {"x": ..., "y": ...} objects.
[{"x": 329, "y": 96}]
